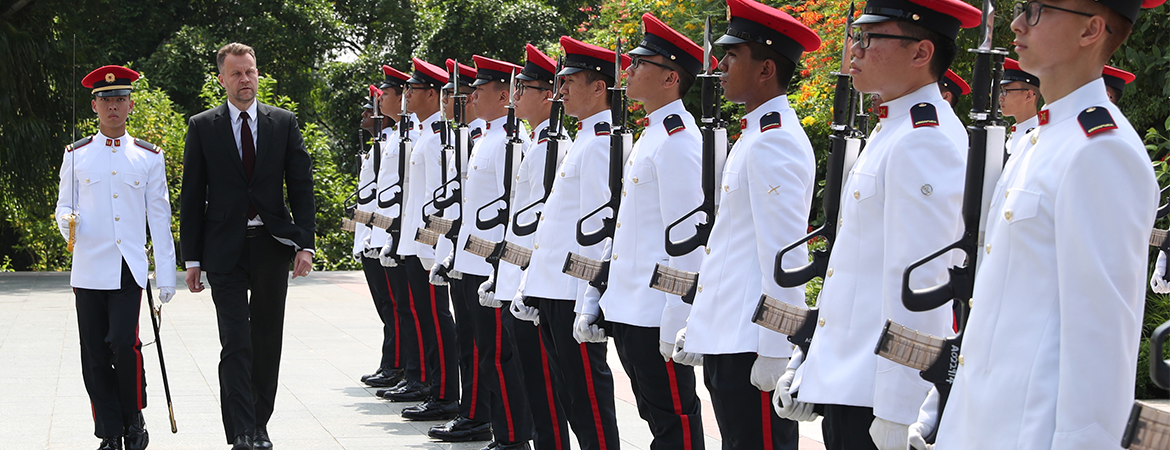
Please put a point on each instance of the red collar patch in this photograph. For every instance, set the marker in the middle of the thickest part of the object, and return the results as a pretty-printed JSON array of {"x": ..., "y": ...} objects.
[
  {"x": 883, "y": 112},
  {"x": 1043, "y": 116},
  {"x": 113, "y": 142},
  {"x": 742, "y": 124}
]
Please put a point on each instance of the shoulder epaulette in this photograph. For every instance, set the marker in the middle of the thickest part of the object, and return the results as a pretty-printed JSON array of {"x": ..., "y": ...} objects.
[
  {"x": 924, "y": 115},
  {"x": 543, "y": 137},
  {"x": 1096, "y": 119},
  {"x": 673, "y": 124},
  {"x": 601, "y": 129},
  {"x": 476, "y": 133},
  {"x": 80, "y": 143},
  {"x": 146, "y": 145},
  {"x": 437, "y": 126},
  {"x": 769, "y": 121}
]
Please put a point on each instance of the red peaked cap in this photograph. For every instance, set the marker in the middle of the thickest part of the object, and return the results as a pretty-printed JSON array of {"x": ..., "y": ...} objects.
[
  {"x": 110, "y": 81},
  {"x": 1130, "y": 8},
  {"x": 374, "y": 93},
  {"x": 538, "y": 67},
  {"x": 942, "y": 16},
  {"x": 1117, "y": 78},
  {"x": 427, "y": 74},
  {"x": 466, "y": 74},
  {"x": 755, "y": 22},
  {"x": 662, "y": 40},
  {"x": 490, "y": 70},
  {"x": 954, "y": 83},
  {"x": 394, "y": 78},
  {"x": 1013, "y": 72},
  {"x": 581, "y": 56}
]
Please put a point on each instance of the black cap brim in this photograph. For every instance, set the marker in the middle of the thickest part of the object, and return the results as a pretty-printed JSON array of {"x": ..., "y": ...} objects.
[
  {"x": 569, "y": 71},
  {"x": 113, "y": 93}
]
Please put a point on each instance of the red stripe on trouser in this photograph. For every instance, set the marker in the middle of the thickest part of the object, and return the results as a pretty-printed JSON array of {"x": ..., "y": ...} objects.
[
  {"x": 500, "y": 375},
  {"x": 592, "y": 396},
  {"x": 474, "y": 380},
  {"x": 422, "y": 355},
  {"x": 139, "y": 375},
  {"x": 674, "y": 398},
  {"x": 548, "y": 392},
  {"x": 394, "y": 306},
  {"x": 766, "y": 408},
  {"x": 439, "y": 340}
]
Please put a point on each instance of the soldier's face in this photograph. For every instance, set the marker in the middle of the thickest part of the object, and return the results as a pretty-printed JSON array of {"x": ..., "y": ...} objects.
[
  {"x": 740, "y": 73},
  {"x": 884, "y": 62},
  {"x": 530, "y": 100},
  {"x": 239, "y": 77},
  {"x": 643, "y": 80},
  {"x": 1014, "y": 99},
  {"x": 418, "y": 97},
  {"x": 112, "y": 111},
  {"x": 368, "y": 120},
  {"x": 390, "y": 102},
  {"x": 576, "y": 90},
  {"x": 1057, "y": 37}
]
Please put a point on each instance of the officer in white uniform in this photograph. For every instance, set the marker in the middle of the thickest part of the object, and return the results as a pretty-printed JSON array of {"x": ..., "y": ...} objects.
[
  {"x": 766, "y": 194},
  {"x": 581, "y": 184},
  {"x": 1019, "y": 98},
  {"x": 661, "y": 183},
  {"x": 1048, "y": 357},
  {"x": 113, "y": 187},
  {"x": 901, "y": 203}
]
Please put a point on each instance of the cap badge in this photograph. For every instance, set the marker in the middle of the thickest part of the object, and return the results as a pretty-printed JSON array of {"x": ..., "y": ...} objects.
[{"x": 110, "y": 77}]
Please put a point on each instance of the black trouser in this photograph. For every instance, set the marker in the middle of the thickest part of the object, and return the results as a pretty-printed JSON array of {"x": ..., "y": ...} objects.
[
  {"x": 664, "y": 390},
  {"x": 744, "y": 413},
  {"x": 511, "y": 418},
  {"x": 548, "y": 416},
  {"x": 584, "y": 379},
  {"x": 111, "y": 353},
  {"x": 379, "y": 283},
  {"x": 405, "y": 323},
  {"x": 473, "y": 401},
  {"x": 440, "y": 367},
  {"x": 847, "y": 427},
  {"x": 251, "y": 330}
]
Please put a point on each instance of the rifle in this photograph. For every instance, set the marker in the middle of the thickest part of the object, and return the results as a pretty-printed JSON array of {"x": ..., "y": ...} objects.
[
  {"x": 984, "y": 163},
  {"x": 404, "y": 147},
  {"x": 1148, "y": 428},
  {"x": 714, "y": 130},
  {"x": 844, "y": 145},
  {"x": 449, "y": 228},
  {"x": 365, "y": 217},
  {"x": 556, "y": 138},
  {"x": 425, "y": 235},
  {"x": 513, "y": 151},
  {"x": 620, "y": 143}
]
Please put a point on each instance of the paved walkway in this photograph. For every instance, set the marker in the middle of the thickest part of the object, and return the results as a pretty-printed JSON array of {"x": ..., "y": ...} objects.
[{"x": 331, "y": 338}]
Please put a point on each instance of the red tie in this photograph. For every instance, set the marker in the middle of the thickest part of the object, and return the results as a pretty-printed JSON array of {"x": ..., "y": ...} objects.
[{"x": 248, "y": 150}]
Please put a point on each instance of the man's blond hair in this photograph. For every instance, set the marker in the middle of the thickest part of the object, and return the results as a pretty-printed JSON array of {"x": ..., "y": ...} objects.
[{"x": 235, "y": 48}]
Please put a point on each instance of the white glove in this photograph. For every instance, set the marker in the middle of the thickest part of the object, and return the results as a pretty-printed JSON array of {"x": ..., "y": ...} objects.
[
  {"x": 166, "y": 293},
  {"x": 788, "y": 407},
  {"x": 767, "y": 371},
  {"x": 1157, "y": 281},
  {"x": 487, "y": 293},
  {"x": 681, "y": 356},
  {"x": 524, "y": 312},
  {"x": 427, "y": 263},
  {"x": 437, "y": 279},
  {"x": 584, "y": 330},
  {"x": 387, "y": 256},
  {"x": 666, "y": 349},
  {"x": 372, "y": 253},
  {"x": 63, "y": 224},
  {"x": 888, "y": 435},
  {"x": 927, "y": 421}
]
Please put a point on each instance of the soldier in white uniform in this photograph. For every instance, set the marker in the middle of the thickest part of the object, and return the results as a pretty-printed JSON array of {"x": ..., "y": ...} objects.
[
  {"x": 533, "y": 97},
  {"x": 112, "y": 188},
  {"x": 901, "y": 203},
  {"x": 1048, "y": 356},
  {"x": 767, "y": 191},
  {"x": 1019, "y": 98},
  {"x": 661, "y": 183},
  {"x": 579, "y": 351}
]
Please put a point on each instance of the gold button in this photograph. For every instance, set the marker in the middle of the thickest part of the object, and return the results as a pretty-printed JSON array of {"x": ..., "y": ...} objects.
[
  {"x": 551, "y": 190},
  {"x": 707, "y": 249},
  {"x": 1007, "y": 214},
  {"x": 119, "y": 241},
  {"x": 726, "y": 188},
  {"x": 87, "y": 180},
  {"x": 700, "y": 288},
  {"x": 114, "y": 151},
  {"x": 1034, "y": 138},
  {"x": 116, "y": 218},
  {"x": 562, "y": 174},
  {"x": 829, "y": 273},
  {"x": 1005, "y": 194},
  {"x": 960, "y": 360},
  {"x": 619, "y": 224},
  {"x": 857, "y": 195},
  {"x": 542, "y": 218},
  {"x": 615, "y": 256},
  {"x": 971, "y": 303},
  {"x": 475, "y": 167},
  {"x": 631, "y": 163},
  {"x": 635, "y": 179},
  {"x": 623, "y": 192},
  {"x": 517, "y": 177},
  {"x": 989, "y": 249},
  {"x": 136, "y": 183},
  {"x": 534, "y": 247},
  {"x": 114, "y": 172},
  {"x": 115, "y": 195},
  {"x": 821, "y": 322}
]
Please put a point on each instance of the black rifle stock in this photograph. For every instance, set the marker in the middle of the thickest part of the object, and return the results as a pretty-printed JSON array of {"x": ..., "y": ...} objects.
[
  {"x": 1148, "y": 427},
  {"x": 619, "y": 138},
  {"x": 552, "y": 153}
]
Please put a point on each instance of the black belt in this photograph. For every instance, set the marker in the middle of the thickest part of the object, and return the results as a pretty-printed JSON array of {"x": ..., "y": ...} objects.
[{"x": 255, "y": 231}]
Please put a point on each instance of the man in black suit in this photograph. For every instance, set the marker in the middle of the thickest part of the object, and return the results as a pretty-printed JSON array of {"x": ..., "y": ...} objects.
[{"x": 239, "y": 159}]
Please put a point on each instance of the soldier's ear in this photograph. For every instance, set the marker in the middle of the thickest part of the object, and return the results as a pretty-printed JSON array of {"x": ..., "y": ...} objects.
[{"x": 93, "y": 105}]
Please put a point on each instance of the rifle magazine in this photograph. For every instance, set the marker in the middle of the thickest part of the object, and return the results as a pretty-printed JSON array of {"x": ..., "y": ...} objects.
[
  {"x": 780, "y": 317},
  {"x": 363, "y": 217},
  {"x": 381, "y": 221},
  {"x": 581, "y": 267},
  {"x": 673, "y": 281},
  {"x": 480, "y": 247},
  {"x": 1159, "y": 238},
  {"x": 516, "y": 255},
  {"x": 439, "y": 225},
  {"x": 348, "y": 225},
  {"x": 1148, "y": 428},
  {"x": 908, "y": 347},
  {"x": 425, "y": 237}
]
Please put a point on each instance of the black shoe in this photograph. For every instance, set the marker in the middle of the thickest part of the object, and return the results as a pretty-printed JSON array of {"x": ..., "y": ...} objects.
[
  {"x": 386, "y": 379},
  {"x": 134, "y": 430},
  {"x": 516, "y": 446},
  {"x": 111, "y": 443},
  {"x": 401, "y": 384},
  {"x": 432, "y": 409},
  {"x": 242, "y": 442},
  {"x": 366, "y": 377},
  {"x": 461, "y": 429},
  {"x": 260, "y": 439},
  {"x": 413, "y": 391}
]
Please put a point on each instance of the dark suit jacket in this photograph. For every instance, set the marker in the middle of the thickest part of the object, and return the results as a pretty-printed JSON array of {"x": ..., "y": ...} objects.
[{"x": 214, "y": 200}]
